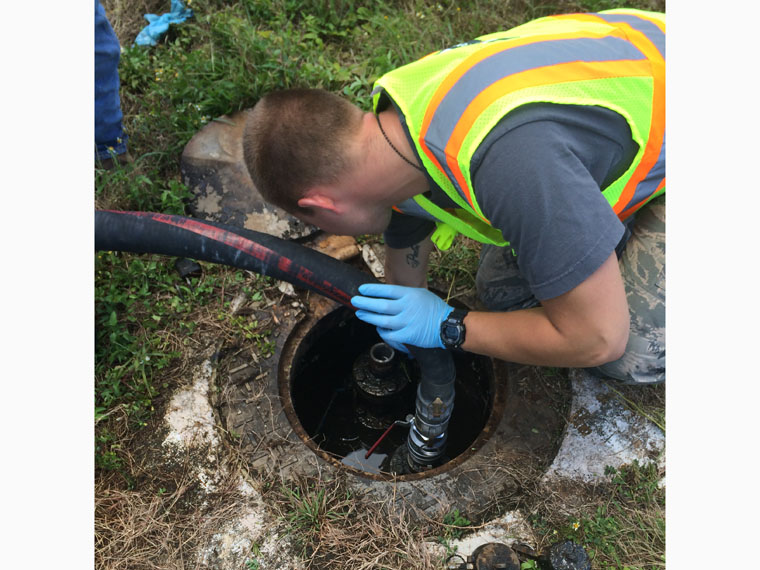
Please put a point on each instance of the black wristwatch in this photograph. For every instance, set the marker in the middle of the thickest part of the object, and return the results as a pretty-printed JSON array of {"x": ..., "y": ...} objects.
[{"x": 453, "y": 330}]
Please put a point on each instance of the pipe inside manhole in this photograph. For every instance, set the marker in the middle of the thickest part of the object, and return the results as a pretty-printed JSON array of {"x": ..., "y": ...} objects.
[{"x": 344, "y": 389}]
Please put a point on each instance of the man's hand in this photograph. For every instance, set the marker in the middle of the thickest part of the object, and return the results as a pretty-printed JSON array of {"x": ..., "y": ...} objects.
[{"x": 402, "y": 315}]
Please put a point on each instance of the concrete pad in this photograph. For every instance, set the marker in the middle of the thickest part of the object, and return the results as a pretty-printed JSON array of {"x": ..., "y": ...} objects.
[
  {"x": 508, "y": 529},
  {"x": 192, "y": 430},
  {"x": 602, "y": 432}
]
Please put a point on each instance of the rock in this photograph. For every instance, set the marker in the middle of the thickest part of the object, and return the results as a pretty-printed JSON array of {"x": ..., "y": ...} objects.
[
  {"x": 567, "y": 556},
  {"x": 213, "y": 169}
]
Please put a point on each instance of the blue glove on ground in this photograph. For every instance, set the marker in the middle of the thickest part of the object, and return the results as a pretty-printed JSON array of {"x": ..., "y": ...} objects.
[
  {"x": 159, "y": 25},
  {"x": 402, "y": 315}
]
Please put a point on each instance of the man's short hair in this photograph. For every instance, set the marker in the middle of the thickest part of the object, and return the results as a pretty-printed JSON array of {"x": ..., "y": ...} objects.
[{"x": 296, "y": 139}]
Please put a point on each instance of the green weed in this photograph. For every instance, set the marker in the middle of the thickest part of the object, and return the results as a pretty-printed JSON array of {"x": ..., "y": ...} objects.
[
  {"x": 249, "y": 329},
  {"x": 455, "y": 524},
  {"x": 625, "y": 528},
  {"x": 312, "y": 506},
  {"x": 145, "y": 316},
  {"x": 253, "y": 563}
]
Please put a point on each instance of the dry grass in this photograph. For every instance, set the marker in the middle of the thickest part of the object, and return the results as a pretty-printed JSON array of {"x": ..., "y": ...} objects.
[
  {"x": 127, "y": 16},
  {"x": 333, "y": 528},
  {"x": 647, "y": 401},
  {"x": 155, "y": 528}
]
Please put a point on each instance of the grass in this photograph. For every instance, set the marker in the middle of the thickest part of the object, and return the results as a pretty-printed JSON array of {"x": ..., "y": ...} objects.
[
  {"x": 331, "y": 529},
  {"x": 311, "y": 507},
  {"x": 454, "y": 525},
  {"x": 621, "y": 524},
  {"x": 159, "y": 526},
  {"x": 149, "y": 322},
  {"x": 453, "y": 270}
]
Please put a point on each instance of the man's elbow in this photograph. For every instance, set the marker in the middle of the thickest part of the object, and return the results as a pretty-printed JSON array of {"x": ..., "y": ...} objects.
[{"x": 610, "y": 346}]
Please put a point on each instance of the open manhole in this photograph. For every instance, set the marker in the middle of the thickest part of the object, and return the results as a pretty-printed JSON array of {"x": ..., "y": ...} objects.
[
  {"x": 345, "y": 389},
  {"x": 297, "y": 414}
]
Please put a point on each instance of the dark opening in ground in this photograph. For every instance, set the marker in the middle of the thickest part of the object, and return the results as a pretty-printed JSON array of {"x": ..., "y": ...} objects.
[{"x": 344, "y": 407}]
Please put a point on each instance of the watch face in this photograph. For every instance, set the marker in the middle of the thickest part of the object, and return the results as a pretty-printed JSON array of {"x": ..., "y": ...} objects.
[
  {"x": 452, "y": 333},
  {"x": 453, "y": 330}
]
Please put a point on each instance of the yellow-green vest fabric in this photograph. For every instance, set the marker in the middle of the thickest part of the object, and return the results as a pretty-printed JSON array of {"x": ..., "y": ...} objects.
[{"x": 452, "y": 99}]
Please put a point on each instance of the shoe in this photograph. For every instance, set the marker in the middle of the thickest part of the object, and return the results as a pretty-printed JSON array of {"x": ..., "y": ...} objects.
[{"x": 110, "y": 164}]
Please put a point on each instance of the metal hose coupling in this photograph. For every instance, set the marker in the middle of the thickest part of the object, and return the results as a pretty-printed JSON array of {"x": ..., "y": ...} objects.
[{"x": 428, "y": 434}]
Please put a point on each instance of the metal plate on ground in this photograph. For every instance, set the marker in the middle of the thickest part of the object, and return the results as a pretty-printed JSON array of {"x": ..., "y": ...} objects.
[{"x": 213, "y": 169}]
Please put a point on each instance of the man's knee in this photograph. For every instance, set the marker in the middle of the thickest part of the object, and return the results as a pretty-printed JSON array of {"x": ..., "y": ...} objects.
[
  {"x": 642, "y": 267},
  {"x": 499, "y": 283},
  {"x": 643, "y": 361}
]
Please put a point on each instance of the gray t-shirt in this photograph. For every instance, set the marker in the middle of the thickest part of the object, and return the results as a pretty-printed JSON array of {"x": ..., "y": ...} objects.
[{"x": 538, "y": 177}]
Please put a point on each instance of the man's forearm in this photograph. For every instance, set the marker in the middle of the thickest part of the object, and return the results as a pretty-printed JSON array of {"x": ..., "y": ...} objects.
[
  {"x": 586, "y": 326},
  {"x": 408, "y": 266},
  {"x": 529, "y": 337}
]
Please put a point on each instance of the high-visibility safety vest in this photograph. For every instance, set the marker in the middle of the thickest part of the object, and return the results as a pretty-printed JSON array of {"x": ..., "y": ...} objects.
[{"x": 451, "y": 99}]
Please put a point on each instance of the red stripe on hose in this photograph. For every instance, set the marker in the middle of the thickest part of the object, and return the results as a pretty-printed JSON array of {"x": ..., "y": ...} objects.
[{"x": 256, "y": 250}]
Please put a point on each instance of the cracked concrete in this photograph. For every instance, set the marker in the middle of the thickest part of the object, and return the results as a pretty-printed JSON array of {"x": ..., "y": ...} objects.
[
  {"x": 193, "y": 431},
  {"x": 508, "y": 529},
  {"x": 601, "y": 432}
]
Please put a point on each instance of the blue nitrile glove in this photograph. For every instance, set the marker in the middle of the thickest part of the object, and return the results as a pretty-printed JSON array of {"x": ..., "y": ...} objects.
[
  {"x": 402, "y": 315},
  {"x": 158, "y": 25}
]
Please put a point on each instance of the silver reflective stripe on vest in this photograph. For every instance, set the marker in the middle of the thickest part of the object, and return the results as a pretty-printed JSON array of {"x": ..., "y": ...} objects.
[
  {"x": 649, "y": 29},
  {"x": 414, "y": 209},
  {"x": 508, "y": 62}
]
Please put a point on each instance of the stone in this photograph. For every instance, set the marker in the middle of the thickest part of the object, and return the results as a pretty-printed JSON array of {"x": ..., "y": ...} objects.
[{"x": 213, "y": 169}]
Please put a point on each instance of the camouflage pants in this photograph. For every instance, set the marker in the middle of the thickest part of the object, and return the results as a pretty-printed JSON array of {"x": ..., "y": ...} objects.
[{"x": 642, "y": 265}]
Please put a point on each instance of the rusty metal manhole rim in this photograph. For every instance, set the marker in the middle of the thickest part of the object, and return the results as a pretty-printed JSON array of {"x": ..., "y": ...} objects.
[{"x": 284, "y": 369}]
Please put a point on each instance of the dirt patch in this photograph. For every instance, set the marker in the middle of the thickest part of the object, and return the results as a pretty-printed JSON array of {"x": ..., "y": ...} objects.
[{"x": 127, "y": 16}]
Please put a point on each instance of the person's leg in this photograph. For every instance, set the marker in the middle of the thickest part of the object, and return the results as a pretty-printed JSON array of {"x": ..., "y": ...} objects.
[
  {"x": 642, "y": 266},
  {"x": 499, "y": 283},
  {"x": 110, "y": 139}
]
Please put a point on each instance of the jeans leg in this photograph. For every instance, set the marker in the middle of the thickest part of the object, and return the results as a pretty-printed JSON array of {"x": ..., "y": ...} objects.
[{"x": 109, "y": 134}]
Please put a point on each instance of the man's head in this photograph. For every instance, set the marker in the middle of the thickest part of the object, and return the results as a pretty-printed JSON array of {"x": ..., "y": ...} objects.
[{"x": 297, "y": 139}]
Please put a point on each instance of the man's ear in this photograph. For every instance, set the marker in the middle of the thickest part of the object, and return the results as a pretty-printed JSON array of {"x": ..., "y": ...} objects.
[{"x": 316, "y": 198}]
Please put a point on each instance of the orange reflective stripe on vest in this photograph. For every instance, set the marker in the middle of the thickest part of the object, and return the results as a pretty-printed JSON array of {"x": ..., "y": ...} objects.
[
  {"x": 470, "y": 88},
  {"x": 649, "y": 178},
  {"x": 636, "y": 48}
]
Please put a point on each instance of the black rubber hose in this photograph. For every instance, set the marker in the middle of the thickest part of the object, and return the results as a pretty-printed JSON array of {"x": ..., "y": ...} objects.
[
  {"x": 437, "y": 367},
  {"x": 180, "y": 236}
]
